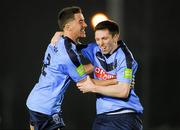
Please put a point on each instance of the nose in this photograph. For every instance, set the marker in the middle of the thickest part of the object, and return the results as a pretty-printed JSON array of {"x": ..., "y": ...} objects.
[
  {"x": 100, "y": 43},
  {"x": 84, "y": 25}
]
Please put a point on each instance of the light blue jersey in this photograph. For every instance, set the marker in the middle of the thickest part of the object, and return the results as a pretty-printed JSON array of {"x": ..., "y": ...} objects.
[
  {"x": 120, "y": 65},
  {"x": 61, "y": 64}
]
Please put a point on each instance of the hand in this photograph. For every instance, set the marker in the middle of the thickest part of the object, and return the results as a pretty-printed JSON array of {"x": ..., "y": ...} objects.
[
  {"x": 86, "y": 86},
  {"x": 56, "y": 37}
]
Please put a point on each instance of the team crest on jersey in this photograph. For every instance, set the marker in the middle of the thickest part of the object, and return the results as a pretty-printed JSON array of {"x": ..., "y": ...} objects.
[
  {"x": 56, "y": 118},
  {"x": 102, "y": 74}
]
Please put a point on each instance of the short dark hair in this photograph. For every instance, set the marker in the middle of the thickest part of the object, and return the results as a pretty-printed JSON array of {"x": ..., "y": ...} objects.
[
  {"x": 108, "y": 24},
  {"x": 66, "y": 15}
]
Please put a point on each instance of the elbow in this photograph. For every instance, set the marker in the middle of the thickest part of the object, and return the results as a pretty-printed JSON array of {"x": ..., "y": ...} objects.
[{"x": 125, "y": 93}]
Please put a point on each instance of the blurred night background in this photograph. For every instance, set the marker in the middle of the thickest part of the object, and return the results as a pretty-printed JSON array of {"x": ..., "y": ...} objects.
[{"x": 150, "y": 28}]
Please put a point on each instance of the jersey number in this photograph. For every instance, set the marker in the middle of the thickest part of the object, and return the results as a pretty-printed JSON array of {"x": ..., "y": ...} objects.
[{"x": 45, "y": 65}]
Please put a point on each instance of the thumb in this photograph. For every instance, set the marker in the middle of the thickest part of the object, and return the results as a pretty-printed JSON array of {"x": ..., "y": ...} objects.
[
  {"x": 78, "y": 84},
  {"x": 88, "y": 77}
]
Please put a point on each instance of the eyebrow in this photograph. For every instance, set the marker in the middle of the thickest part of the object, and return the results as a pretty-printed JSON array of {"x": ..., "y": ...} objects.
[{"x": 82, "y": 20}]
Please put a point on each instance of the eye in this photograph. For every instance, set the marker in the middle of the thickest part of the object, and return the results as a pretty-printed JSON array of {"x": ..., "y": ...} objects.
[
  {"x": 97, "y": 39},
  {"x": 81, "y": 21},
  {"x": 105, "y": 38}
]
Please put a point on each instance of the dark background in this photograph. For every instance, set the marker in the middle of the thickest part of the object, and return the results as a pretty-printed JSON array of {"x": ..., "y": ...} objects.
[{"x": 150, "y": 28}]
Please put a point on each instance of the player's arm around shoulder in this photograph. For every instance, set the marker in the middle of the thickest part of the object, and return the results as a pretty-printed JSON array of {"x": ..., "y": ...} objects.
[{"x": 55, "y": 38}]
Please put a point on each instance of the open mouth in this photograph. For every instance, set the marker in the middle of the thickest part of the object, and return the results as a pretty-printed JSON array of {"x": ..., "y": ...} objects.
[
  {"x": 83, "y": 30},
  {"x": 103, "y": 49},
  {"x": 83, "y": 33}
]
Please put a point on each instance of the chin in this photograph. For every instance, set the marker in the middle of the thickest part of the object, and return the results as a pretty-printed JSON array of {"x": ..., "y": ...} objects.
[
  {"x": 104, "y": 52},
  {"x": 83, "y": 35}
]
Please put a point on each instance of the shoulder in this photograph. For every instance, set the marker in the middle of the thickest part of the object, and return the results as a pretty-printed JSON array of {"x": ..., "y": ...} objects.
[
  {"x": 125, "y": 50},
  {"x": 92, "y": 44},
  {"x": 91, "y": 47},
  {"x": 62, "y": 46}
]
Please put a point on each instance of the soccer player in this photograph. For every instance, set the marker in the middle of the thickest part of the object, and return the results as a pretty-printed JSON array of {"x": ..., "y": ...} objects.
[
  {"x": 61, "y": 64},
  {"x": 118, "y": 107}
]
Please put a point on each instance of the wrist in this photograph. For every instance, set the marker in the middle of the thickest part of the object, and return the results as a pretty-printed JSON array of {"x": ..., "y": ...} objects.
[{"x": 94, "y": 88}]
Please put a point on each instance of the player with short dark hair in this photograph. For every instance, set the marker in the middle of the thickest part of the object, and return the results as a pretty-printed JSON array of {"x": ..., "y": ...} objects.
[
  {"x": 118, "y": 107},
  {"x": 61, "y": 65}
]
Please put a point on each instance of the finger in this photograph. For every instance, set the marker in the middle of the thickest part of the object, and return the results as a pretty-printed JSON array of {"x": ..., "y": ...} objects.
[
  {"x": 88, "y": 77},
  {"x": 78, "y": 84},
  {"x": 81, "y": 88},
  {"x": 58, "y": 33}
]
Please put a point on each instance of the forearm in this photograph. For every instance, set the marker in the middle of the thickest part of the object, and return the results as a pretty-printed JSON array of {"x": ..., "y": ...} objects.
[
  {"x": 105, "y": 82},
  {"x": 119, "y": 90},
  {"x": 88, "y": 68}
]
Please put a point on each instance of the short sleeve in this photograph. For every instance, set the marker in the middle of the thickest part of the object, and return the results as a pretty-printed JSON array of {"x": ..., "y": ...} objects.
[
  {"x": 124, "y": 74},
  {"x": 88, "y": 52},
  {"x": 74, "y": 68}
]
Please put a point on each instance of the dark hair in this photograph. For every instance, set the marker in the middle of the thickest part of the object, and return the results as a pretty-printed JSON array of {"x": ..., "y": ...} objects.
[
  {"x": 66, "y": 15},
  {"x": 109, "y": 25}
]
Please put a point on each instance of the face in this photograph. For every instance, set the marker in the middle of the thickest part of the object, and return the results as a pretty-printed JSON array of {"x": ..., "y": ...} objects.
[
  {"x": 78, "y": 25},
  {"x": 105, "y": 41}
]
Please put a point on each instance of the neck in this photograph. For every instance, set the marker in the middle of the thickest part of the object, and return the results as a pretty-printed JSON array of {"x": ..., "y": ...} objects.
[
  {"x": 71, "y": 36},
  {"x": 114, "y": 48}
]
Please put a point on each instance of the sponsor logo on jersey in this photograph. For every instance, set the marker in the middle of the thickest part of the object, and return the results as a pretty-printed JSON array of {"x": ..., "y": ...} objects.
[{"x": 102, "y": 74}]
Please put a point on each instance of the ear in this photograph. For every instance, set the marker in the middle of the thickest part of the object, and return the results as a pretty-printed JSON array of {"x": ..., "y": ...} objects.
[
  {"x": 116, "y": 37},
  {"x": 67, "y": 26}
]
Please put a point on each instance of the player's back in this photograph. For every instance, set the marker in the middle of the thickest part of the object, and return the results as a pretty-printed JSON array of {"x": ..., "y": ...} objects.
[{"x": 48, "y": 93}]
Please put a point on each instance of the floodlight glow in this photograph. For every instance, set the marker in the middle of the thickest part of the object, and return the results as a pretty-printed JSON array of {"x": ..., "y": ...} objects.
[{"x": 99, "y": 17}]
